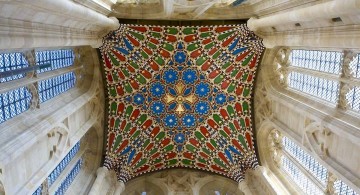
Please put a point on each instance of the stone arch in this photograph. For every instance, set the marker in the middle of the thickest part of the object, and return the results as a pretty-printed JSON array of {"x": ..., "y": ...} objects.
[
  {"x": 144, "y": 184},
  {"x": 220, "y": 184}
]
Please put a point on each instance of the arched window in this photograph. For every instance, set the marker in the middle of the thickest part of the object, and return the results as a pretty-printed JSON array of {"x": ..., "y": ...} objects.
[
  {"x": 306, "y": 172},
  {"x": 315, "y": 73},
  {"x": 17, "y": 65},
  {"x": 63, "y": 174},
  {"x": 333, "y": 76}
]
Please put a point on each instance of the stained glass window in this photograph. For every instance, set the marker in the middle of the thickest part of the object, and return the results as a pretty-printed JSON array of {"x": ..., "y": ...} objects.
[
  {"x": 353, "y": 97},
  {"x": 54, "y": 86},
  {"x": 305, "y": 183},
  {"x": 342, "y": 189},
  {"x": 324, "y": 61},
  {"x": 13, "y": 103},
  {"x": 38, "y": 191},
  {"x": 319, "y": 87},
  {"x": 57, "y": 58},
  {"x": 12, "y": 61},
  {"x": 69, "y": 178},
  {"x": 306, "y": 160},
  {"x": 62, "y": 165}
]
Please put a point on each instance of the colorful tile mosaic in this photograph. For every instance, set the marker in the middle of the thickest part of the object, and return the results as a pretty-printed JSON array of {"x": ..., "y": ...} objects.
[{"x": 180, "y": 97}]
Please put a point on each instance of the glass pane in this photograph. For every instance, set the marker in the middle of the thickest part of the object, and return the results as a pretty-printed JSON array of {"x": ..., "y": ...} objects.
[
  {"x": 355, "y": 66},
  {"x": 12, "y": 61},
  {"x": 13, "y": 103},
  {"x": 69, "y": 179},
  {"x": 38, "y": 191},
  {"x": 57, "y": 58},
  {"x": 54, "y": 86},
  {"x": 319, "y": 87},
  {"x": 300, "y": 178},
  {"x": 306, "y": 160},
  {"x": 353, "y": 98},
  {"x": 61, "y": 166},
  {"x": 324, "y": 61},
  {"x": 342, "y": 189}
]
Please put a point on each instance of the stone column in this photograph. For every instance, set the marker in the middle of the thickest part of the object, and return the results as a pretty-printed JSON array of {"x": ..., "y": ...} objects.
[
  {"x": 120, "y": 187},
  {"x": 244, "y": 187},
  {"x": 100, "y": 176}
]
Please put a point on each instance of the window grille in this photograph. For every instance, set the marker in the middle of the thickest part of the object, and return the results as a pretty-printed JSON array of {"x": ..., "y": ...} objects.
[
  {"x": 353, "y": 98},
  {"x": 69, "y": 179},
  {"x": 57, "y": 58},
  {"x": 342, "y": 189},
  {"x": 306, "y": 160},
  {"x": 300, "y": 178},
  {"x": 12, "y": 61},
  {"x": 38, "y": 191},
  {"x": 54, "y": 86},
  {"x": 13, "y": 103},
  {"x": 355, "y": 66},
  {"x": 58, "y": 170},
  {"x": 319, "y": 87},
  {"x": 324, "y": 61}
]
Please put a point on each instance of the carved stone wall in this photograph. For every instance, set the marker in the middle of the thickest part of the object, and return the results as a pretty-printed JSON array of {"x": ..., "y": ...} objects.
[{"x": 330, "y": 134}]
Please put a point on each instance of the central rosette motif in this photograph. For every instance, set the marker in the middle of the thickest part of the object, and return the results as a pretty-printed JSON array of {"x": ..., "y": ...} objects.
[{"x": 179, "y": 97}]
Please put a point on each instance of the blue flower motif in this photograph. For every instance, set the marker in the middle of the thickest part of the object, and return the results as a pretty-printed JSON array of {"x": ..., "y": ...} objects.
[
  {"x": 179, "y": 138},
  {"x": 157, "y": 89},
  {"x": 189, "y": 76},
  {"x": 170, "y": 76},
  {"x": 188, "y": 120},
  {"x": 180, "y": 57},
  {"x": 202, "y": 107},
  {"x": 202, "y": 89},
  {"x": 170, "y": 120},
  {"x": 220, "y": 98},
  {"x": 157, "y": 107},
  {"x": 139, "y": 99}
]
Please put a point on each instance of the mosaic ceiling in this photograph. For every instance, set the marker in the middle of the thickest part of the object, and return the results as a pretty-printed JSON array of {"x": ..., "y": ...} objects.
[{"x": 180, "y": 97}]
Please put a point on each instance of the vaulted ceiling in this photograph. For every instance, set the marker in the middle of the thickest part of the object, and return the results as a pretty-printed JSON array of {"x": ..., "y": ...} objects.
[{"x": 180, "y": 97}]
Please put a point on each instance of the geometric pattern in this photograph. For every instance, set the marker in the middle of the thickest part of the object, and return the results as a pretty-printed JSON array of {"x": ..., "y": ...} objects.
[{"x": 180, "y": 97}]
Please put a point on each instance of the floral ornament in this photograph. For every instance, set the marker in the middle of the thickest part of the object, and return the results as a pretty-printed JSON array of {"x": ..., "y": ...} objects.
[
  {"x": 170, "y": 76},
  {"x": 170, "y": 120},
  {"x": 139, "y": 99},
  {"x": 189, "y": 76},
  {"x": 157, "y": 107},
  {"x": 202, "y": 108},
  {"x": 179, "y": 98},
  {"x": 179, "y": 138},
  {"x": 202, "y": 89},
  {"x": 180, "y": 57},
  {"x": 189, "y": 120},
  {"x": 157, "y": 89},
  {"x": 220, "y": 98}
]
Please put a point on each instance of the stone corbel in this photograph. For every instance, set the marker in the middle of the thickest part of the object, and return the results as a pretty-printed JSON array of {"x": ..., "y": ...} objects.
[
  {"x": 346, "y": 74},
  {"x": 244, "y": 187},
  {"x": 35, "y": 100},
  {"x": 330, "y": 190},
  {"x": 281, "y": 64},
  {"x": 31, "y": 59},
  {"x": 275, "y": 146}
]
